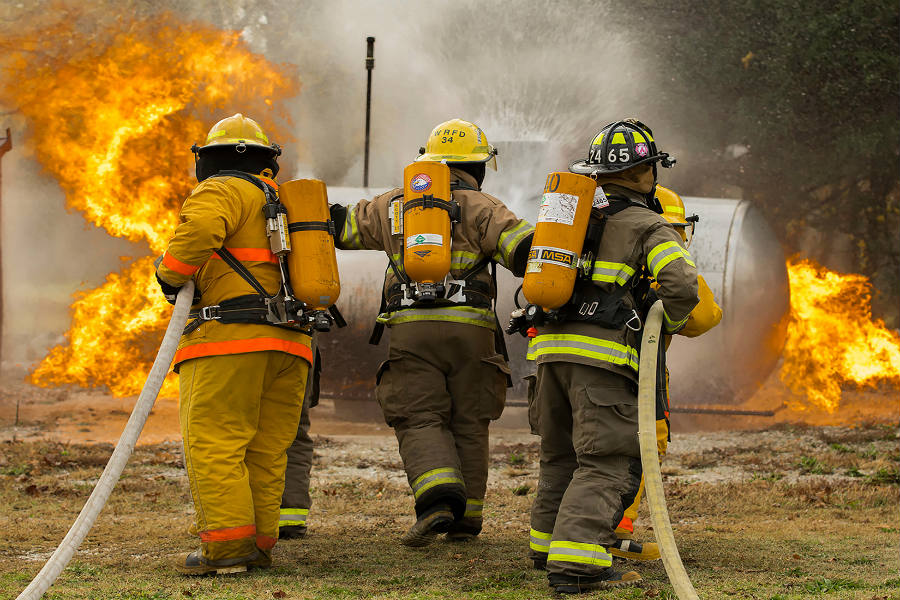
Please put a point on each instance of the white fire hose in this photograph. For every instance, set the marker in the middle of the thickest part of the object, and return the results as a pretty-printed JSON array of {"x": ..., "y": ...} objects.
[
  {"x": 656, "y": 497},
  {"x": 120, "y": 455}
]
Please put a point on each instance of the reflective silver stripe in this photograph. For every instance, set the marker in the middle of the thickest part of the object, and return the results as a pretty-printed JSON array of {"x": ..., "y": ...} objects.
[
  {"x": 578, "y": 552},
  {"x": 429, "y": 479},
  {"x": 461, "y": 260},
  {"x": 540, "y": 541},
  {"x": 482, "y": 317},
  {"x": 663, "y": 254},
  {"x": 611, "y": 272},
  {"x": 582, "y": 345},
  {"x": 510, "y": 238},
  {"x": 350, "y": 237},
  {"x": 474, "y": 508},
  {"x": 673, "y": 326}
]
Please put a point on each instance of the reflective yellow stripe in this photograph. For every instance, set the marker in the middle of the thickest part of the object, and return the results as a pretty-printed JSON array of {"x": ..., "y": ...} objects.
[
  {"x": 579, "y": 552},
  {"x": 350, "y": 238},
  {"x": 429, "y": 479},
  {"x": 582, "y": 345},
  {"x": 618, "y": 138},
  {"x": 461, "y": 260},
  {"x": 611, "y": 272},
  {"x": 510, "y": 238},
  {"x": 474, "y": 508},
  {"x": 674, "y": 209},
  {"x": 673, "y": 326},
  {"x": 293, "y": 516},
  {"x": 540, "y": 541},
  {"x": 663, "y": 254},
  {"x": 481, "y": 317}
]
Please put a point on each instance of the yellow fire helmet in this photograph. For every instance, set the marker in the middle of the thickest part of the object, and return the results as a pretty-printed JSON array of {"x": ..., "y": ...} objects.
[
  {"x": 238, "y": 131},
  {"x": 673, "y": 212},
  {"x": 458, "y": 141}
]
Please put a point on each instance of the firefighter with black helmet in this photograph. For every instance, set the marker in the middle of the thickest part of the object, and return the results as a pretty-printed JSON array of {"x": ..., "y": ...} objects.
[
  {"x": 241, "y": 378},
  {"x": 585, "y": 395},
  {"x": 446, "y": 376}
]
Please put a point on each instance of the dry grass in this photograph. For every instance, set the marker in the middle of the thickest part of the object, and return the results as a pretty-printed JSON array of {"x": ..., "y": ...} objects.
[{"x": 756, "y": 537}]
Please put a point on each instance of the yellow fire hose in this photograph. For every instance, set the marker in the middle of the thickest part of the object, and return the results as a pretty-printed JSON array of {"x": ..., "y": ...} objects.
[
  {"x": 120, "y": 455},
  {"x": 656, "y": 497}
]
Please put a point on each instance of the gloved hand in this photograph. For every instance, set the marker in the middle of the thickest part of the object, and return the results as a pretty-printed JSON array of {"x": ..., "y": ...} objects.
[
  {"x": 338, "y": 213},
  {"x": 170, "y": 291}
]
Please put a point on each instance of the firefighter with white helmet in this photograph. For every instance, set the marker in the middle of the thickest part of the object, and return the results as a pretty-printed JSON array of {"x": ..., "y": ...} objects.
[
  {"x": 584, "y": 399},
  {"x": 446, "y": 375},
  {"x": 704, "y": 317},
  {"x": 242, "y": 376}
]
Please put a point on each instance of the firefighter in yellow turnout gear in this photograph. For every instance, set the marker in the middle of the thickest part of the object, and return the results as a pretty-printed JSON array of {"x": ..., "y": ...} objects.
[
  {"x": 241, "y": 383},
  {"x": 704, "y": 317},
  {"x": 585, "y": 395},
  {"x": 444, "y": 380}
]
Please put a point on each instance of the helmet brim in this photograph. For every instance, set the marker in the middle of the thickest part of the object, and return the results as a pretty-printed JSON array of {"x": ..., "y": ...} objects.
[
  {"x": 481, "y": 157},
  {"x": 273, "y": 148},
  {"x": 583, "y": 167}
]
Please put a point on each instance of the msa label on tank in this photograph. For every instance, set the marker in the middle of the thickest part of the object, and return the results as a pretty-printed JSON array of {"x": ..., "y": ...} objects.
[
  {"x": 557, "y": 207},
  {"x": 600, "y": 199},
  {"x": 553, "y": 256},
  {"x": 422, "y": 239},
  {"x": 420, "y": 183},
  {"x": 396, "y": 216}
]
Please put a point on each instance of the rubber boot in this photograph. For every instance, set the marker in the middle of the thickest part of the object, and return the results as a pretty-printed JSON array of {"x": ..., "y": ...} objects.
[
  {"x": 193, "y": 563},
  {"x": 291, "y": 532},
  {"x": 435, "y": 520},
  {"x": 607, "y": 579},
  {"x": 464, "y": 530},
  {"x": 631, "y": 550}
]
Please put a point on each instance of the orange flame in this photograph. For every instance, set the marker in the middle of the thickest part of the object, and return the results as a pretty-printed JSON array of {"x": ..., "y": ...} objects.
[
  {"x": 111, "y": 116},
  {"x": 832, "y": 339}
]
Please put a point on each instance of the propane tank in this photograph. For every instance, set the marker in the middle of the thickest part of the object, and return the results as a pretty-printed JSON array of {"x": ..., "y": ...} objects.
[
  {"x": 426, "y": 221},
  {"x": 312, "y": 263},
  {"x": 558, "y": 239}
]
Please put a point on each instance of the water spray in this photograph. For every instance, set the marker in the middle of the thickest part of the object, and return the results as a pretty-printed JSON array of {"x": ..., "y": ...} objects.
[
  {"x": 656, "y": 497},
  {"x": 124, "y": 447}
]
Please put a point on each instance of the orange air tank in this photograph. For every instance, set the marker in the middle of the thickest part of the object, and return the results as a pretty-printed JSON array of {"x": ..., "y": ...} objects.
[
  {"x": 426, "y": 221},
  {"x": 558, "y": 239},
  {"x": 312, "y": 263}
]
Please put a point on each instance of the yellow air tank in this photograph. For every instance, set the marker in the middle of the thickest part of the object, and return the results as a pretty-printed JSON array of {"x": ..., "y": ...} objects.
[
  {"x": 558, "y": 239},
  {"x": 426, "y": 221},
  {"x": 312, "y": 263}
]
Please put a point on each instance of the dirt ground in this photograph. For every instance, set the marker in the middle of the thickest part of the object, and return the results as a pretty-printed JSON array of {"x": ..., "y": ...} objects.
[{"x": 769, "y": 512}]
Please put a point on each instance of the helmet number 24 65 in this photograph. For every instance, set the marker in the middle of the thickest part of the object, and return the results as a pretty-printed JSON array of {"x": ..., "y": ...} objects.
[{"x": 621, "y": 156}]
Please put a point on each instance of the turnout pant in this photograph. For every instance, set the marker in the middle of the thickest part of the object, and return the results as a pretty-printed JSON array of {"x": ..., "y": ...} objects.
[
  {"x": 296, "y": 501},
  {"x": 590, "y": 468},
  {"x": 238, "y": 414},
  {"x": 442, "y": 384}
]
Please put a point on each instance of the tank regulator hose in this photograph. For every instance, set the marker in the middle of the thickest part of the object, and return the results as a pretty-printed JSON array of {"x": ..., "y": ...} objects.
[
  {"x": 656, "y": 497},
  {"x": 120, "y": 455}
]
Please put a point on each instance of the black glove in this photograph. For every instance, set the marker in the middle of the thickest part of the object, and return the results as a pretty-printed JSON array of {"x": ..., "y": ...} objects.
[
  {"x": 338, "y": 216},
  {"x": 170, "y": 291}
]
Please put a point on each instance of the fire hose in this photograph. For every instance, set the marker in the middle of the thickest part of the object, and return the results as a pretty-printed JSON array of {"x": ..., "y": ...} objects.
[
  {"x": 656, "y": 497},
  {"x": 120, "y": 455}
]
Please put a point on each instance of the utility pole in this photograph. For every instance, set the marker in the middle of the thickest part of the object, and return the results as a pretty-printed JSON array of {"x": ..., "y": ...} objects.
[
  {"x": 4, "y": 148},
  {"x": 370, "y": 65}
]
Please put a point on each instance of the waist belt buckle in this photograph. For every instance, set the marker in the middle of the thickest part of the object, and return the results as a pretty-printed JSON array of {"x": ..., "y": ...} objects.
[
  {"x": 459, "y": 297},
  {"x": 408, "y": 295},
  {"x": 634, "y": 318},
  {"x": 210, "y": 313}
]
